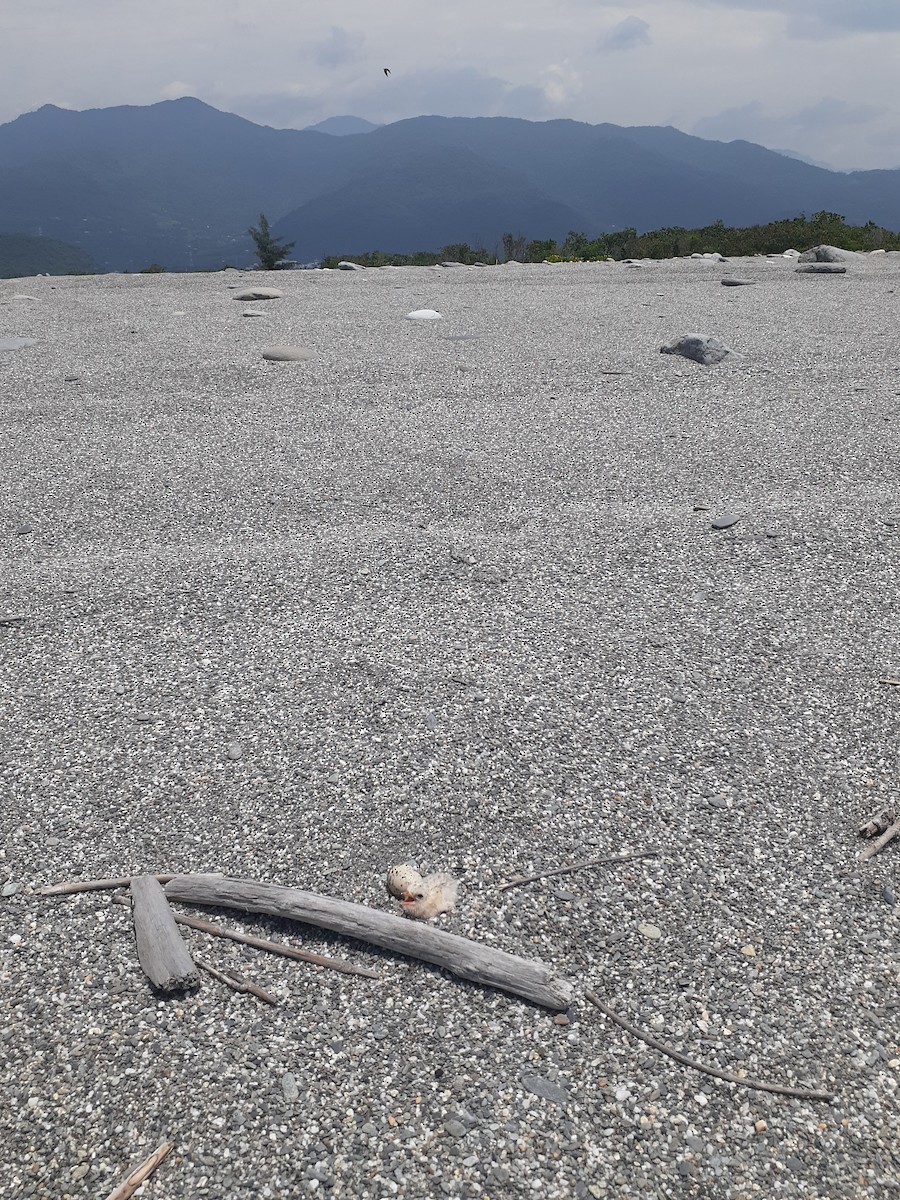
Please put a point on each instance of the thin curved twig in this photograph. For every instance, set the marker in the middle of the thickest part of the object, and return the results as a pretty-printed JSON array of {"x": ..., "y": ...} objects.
[
  {"x": 590, "y": 862},
  {"x": 92, "y": 885},
  {"x": 756, "y": 1084}
]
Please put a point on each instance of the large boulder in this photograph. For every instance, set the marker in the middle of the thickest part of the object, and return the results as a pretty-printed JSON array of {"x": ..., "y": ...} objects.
[{"x": 828, "y": 254}]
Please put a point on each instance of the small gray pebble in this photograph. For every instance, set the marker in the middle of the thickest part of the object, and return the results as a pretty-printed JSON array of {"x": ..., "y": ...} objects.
[{"x": 725, "y": 521}]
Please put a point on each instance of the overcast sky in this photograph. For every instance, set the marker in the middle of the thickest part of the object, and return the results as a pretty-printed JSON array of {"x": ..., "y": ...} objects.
[{"x": 818, "y": 77}]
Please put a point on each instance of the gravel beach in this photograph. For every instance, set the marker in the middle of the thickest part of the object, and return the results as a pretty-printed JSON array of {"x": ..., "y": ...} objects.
[{"x": 449, "y": 592}]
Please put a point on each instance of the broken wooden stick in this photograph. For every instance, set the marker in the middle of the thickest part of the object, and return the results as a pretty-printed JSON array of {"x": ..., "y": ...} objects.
[
  {"x": 247, "y": 939},
  {"x": 590, "y": 862},
  {"x": 236, "y": 982},
  {"x": 92, "y": 885},
  {"x": 728, "y": 1076},
  {"x": 890, "y": 682},
  {"x": 878, "y": 821},
  {"x": 892, "y": 831},
  {"x": 161, "y": 950},
  {"x": 528, "y": 978},
  {"x": 132, "y": 1182}
]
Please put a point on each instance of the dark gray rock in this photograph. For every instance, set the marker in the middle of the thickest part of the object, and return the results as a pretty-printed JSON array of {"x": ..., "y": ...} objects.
[
  {"x": 821, "y": 268},
  {"x": 725, "y": 521},
  {"x": 729, "y": 282},
  {"x": 702, "y": 349}
]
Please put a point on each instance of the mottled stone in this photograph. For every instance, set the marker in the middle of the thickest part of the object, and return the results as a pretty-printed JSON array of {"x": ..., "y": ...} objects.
[{"x": 699, "y": 348}]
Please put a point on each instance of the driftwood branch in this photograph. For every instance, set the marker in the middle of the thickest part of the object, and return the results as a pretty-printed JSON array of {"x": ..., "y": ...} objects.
[
  {"x": 728, "y": 1076},
  {"x": 161, "y": 950},
  {"x": 92, "y": 885},
  {"x": 879, "y": 821},
  {"x": 236, "y": 982},
  {"x": 892, "y": 831},
  {"x": 530, "y": 979},
  {"x": 132, "y": 1182},
  {"x": 247, "y": 939},
  {"x": 890, "y": 682},
  {"x": 590, "y": 862}
]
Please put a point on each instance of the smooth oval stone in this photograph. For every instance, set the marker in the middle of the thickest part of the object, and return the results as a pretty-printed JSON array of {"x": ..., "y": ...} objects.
[
  {"x": 258, "y": 293},
  {"x": 15, "y": 343},
  {"x": 725, "y": 521},
  {"x": 650, "y": 931},
  {"x": 423, "y": 314},
  {"x": 738, "y": 283},
  {"x": 288, "y": 354}
]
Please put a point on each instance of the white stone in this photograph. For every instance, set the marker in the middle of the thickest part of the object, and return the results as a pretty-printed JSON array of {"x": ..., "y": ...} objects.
[{"x": 423, "y": 314}]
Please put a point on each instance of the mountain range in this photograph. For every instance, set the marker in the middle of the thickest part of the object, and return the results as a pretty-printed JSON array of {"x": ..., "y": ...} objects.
[{"x": 178, "y": 183}]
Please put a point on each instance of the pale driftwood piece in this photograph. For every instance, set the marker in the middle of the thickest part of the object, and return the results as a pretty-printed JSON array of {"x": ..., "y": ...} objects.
[
  {"x": 494, "y": 968},
  {"x": 236, "y": 982},
  {"x": 890, "y": 682},
  {"x": 92, "y": 885},
  {"x": 728, "y": 1076},
  {"x": 161, "y": 950},
  {"x": 590, "y": 862},
  {"x": 132, "y": 1182},
  {"x": 889, "y": 834},
  {"x": 878, "y": 822},
  {"x": 247, "y": 939}
]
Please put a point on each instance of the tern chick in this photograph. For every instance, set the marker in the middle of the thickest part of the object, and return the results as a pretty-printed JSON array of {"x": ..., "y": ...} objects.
[{"x": 422, "y": 898}]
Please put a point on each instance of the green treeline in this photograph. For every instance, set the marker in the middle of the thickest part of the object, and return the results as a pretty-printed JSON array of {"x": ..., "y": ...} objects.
[{"x": 798, "y": 233}]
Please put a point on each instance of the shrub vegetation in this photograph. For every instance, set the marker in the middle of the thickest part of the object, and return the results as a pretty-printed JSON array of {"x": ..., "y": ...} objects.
[{"x": 798, "y": 233}]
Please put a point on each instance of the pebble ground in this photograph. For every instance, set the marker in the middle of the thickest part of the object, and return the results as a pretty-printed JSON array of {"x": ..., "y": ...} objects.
[{"x": 450, "y": 592}]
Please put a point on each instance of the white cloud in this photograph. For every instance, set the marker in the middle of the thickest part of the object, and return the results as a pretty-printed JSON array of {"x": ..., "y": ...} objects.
[
  {"x": 339, "y": 48},
  {"x": 630, "y": 32},
  {"x": 828, "y": 130}
]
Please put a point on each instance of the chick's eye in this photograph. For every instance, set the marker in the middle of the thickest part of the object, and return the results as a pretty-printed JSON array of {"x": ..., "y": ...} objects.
[{"x": 420, "y": 895}]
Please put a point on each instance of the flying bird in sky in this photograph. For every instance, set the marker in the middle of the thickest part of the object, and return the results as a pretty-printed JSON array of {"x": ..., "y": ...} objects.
[{"x": 387, "y": 70}]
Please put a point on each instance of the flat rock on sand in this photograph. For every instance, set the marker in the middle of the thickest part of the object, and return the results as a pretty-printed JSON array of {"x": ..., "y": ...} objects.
[
  {"x": 288, "y": 353},
  {"x": 297, "y": 625}
]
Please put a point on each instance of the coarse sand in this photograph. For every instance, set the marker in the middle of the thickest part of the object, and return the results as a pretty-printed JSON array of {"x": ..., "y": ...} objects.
[{"x": 449, "y": 592}]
